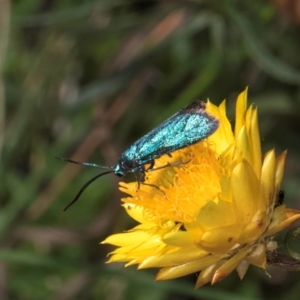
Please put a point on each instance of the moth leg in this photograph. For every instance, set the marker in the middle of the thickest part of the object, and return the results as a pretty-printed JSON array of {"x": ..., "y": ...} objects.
[
  {"x": 142, "y": 177},
  {"x": 151, "y": 165},
  {"x": 171, "y": 164},
  {"x": 154, "y": 186}
]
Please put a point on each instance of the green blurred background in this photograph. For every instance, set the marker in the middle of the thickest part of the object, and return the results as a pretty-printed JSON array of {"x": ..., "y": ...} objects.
[{"x": 84, "y": 79}]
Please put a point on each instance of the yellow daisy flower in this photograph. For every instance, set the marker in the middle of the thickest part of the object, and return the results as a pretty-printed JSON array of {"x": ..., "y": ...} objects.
[{"x": 215, "y": 212}]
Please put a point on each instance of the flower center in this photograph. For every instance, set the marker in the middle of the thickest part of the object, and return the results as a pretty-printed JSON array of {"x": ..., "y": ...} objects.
[{"x": 181, "y": 189}]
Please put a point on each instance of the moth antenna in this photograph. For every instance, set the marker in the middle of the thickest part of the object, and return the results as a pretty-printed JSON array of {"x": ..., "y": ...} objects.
[
  {"x": 85, "y": 186},
  {"x": 82, "y": 163}
]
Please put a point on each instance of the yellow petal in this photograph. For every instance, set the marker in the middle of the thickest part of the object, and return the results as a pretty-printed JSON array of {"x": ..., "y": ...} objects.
[
  {"x": 282, "y": 219},
  {"x": 135, "y": 212},
  {"x": 243, "y": 145},
  {"x": 177, "y": 258},
  {"x": 241, "y": 106},
  {"x": 206, "y": 274},
  {"x": 223, "y": 137},
  {"x": 280, "y": 164},
  {"x": 258, "y": 256},
  {"x": 212, "y": 215},
  {"x": 245, "y": 192},
  {"x": 255, "y": 228},
  {"x": 229, "y": 265},
  {"x": 178, "y": 239},
  {"x": 187, "y": 268},
  {"x": 126, "y": 239},
  {"x": 268, "y": 180},
  {"x": 254, "y": 137},
  {"x": 242, "y": 268},
  {"x": 220, "y": 240}
]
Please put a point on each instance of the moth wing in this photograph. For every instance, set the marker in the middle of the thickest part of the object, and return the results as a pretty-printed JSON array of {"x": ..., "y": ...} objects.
[{"x": 186, "y": 127}]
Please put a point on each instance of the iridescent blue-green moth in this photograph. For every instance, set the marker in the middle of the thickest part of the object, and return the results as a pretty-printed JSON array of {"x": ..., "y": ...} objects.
[{"x": 188, "y": 126}]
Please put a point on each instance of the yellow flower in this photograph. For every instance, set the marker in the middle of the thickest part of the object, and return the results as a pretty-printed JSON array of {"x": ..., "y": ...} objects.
[{"x": 214, "y": 212}]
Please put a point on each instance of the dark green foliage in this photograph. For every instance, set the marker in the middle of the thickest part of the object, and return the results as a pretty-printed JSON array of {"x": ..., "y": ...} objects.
[{"x": 84, "y": 79}]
